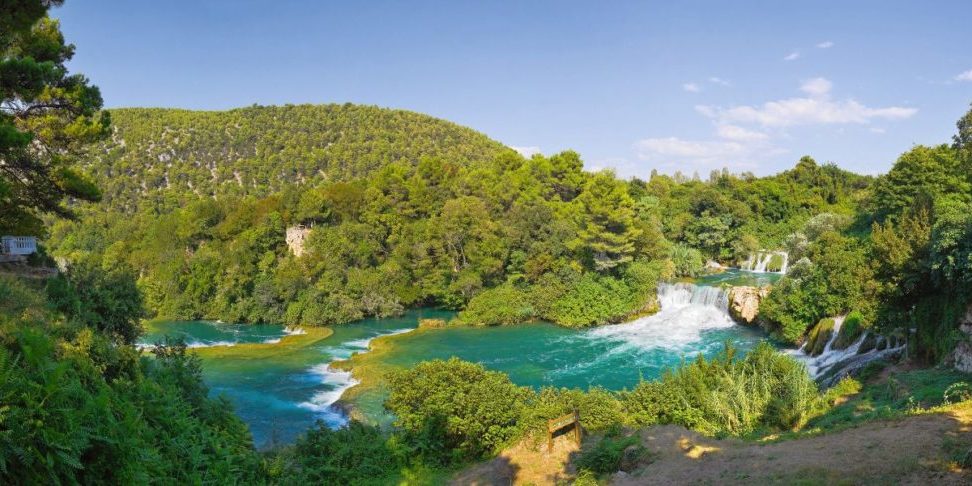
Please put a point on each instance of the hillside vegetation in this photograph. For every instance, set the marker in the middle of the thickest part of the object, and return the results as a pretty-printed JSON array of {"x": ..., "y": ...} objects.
[{"x": 170, "y": 156}]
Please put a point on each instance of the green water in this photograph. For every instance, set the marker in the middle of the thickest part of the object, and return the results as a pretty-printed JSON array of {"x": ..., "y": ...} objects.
[{"x": 283, "y": 394}]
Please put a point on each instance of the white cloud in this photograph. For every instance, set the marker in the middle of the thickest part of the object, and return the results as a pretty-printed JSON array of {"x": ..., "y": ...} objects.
[
  {"x": 966, "y": 76},
  {"x": 691, "y": 87},
  {"x": 818, "y": 109},
  {"x": 816, "y": 87},
  {"x": 825, "y": 45},
  {"x": 718, "y": 80},
  {"x": 526, "y": 151},
  {"x": 739, "y": 134},
  {"x": 793, "y": 56},
  {"x": 693, "y": 149},
  {"x": 877, "y": 130}
]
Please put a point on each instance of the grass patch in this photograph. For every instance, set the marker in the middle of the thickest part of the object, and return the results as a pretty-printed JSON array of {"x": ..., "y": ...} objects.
[{"x": 250, "y": 351}]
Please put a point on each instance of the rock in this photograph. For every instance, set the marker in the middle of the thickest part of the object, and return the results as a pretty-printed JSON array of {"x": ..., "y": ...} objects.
[
  {"x": 713, "y": 266},
  {"x": 295, "y": 239},
  {"x": 631, "y": 457},
  {"x": 744, "y": 303},
  {"x": 962, "y": 356}
]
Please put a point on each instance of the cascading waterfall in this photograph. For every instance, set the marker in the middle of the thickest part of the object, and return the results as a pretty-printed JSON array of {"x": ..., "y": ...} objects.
[
  {"x": 759, "y": 262},
  {"x": 832, "y": 365},
  {"x": 687, "y": 311}
]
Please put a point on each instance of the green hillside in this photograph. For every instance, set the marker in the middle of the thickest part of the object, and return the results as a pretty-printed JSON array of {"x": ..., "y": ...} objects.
[{"x": 155, "y": 154}]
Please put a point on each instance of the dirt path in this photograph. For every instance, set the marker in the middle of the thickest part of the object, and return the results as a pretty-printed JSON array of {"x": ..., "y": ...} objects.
[
  {"x": 914, "y": 450},
  {"x": 524, "y": 463}
]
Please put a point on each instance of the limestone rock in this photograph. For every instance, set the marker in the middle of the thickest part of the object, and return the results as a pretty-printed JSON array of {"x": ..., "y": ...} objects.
[
  {"x": 963, "y": 351},
  {"x": 744, "y": 302},
  {"x": 295, "y": 239}
]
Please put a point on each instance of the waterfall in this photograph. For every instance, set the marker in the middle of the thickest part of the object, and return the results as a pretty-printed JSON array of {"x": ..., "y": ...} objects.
[
  {"x": 671, "y": 295},
  {"x": 832, "y": 365},
  {"x": 759, "y": 262},
  {"x": 687, "y": 311}
]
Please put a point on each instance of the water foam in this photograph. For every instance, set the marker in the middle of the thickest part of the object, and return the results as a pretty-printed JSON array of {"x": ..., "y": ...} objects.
[{"x": 687, "y": 311}]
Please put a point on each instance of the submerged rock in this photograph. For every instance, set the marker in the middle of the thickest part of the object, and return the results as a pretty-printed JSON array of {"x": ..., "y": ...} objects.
[{"x": 744, "y": 303}]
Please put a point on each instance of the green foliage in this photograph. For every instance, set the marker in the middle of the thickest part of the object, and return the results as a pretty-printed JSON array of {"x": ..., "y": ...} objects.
[
  {"x": 179, "y": 154},
  {"x": 106, "y": 301},
  {"x": 80, "y": 408},
  {"x": 606, "y": 456},
  {"x": 501, "y": 305},
  {"x": 688, "y": 262},
  {"x": 834, "y": 278},
  {"x": 355, "y": 454},
  {"x": 818, "y": 336},
  {"x": 850, "y": 330},
  {"x": 727, "y": 395},
  {"x": 47, "y": 117},
  {"x": 454, "y": 410}
]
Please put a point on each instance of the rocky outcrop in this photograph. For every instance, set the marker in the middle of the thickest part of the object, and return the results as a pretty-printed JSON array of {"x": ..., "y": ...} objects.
[
  {"x": 962, "y": 356},
  {"x": 713, "y": 266},
  {"x": 744, "y": 303},
  {"x": 296, "y": 235}
]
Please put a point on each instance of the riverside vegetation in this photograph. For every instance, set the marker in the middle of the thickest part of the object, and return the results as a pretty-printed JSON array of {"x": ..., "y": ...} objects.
[{"x": 407, "y": 210}]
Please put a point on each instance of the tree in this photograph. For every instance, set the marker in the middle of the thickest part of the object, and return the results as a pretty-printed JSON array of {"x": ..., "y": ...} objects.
[
  {"x": 607, "y": 230},
  {"x": 46, "y": 117}
]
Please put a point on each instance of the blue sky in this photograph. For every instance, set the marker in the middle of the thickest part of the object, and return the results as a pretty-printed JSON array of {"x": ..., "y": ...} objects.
[{"x": 688, "y": 85}]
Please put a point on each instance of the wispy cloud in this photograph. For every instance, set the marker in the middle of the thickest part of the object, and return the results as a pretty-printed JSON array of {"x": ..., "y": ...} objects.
[
  {"x": 825, "y": 45},
  {"x": 877, "y": 130},
  {"x": 816, "y": 87},
  {"x": 793, "y": 56},
  {"x": 966, "y": 76},
  {"x": 691, "y": 87},
  {"x": 526, "y": 151},
  {"x": 739, "y": 134},
  {"x": 719, "y": 81},
  {"x": 818, "y": 109}
]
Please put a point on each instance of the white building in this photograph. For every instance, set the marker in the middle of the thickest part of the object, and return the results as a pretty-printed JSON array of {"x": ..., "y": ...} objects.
[{"x": 18, "y": 245}]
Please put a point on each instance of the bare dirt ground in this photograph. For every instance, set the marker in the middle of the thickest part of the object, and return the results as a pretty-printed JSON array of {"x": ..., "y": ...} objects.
[
  {"x": 924, "y": 449},
  {"x": 524, "y": 463}
]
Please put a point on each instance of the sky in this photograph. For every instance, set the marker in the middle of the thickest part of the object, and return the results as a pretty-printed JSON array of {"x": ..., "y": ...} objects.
[{"x": 633, "y": 86}]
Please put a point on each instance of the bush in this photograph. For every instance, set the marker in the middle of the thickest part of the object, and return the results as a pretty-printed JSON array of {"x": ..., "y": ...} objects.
[
  {"x": 454, "y": 410},
  {"x": 606, "y": 456},
  {"x": 501, "y": 305},
  {"x": 850, "y": 330},
  {"x": 688, "y": 261},
  {"x": 726, "y": 395},
  {"x": 593, "y": 300},
  {"x": 354, "y": 454}
]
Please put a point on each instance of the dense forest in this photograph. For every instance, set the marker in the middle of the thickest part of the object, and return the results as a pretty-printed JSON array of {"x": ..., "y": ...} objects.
[
  {"x": 178, "y": 214},
  {"x": 473, "y": 227}
]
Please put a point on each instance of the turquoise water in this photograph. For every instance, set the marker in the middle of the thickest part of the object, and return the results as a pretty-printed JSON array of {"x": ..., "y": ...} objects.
[
  {"x": 281, "y": 394},
  {"x": 739, "y": 277}
]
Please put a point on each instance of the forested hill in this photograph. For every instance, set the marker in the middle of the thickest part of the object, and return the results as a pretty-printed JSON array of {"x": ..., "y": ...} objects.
[{"x": 166, "y": 154}]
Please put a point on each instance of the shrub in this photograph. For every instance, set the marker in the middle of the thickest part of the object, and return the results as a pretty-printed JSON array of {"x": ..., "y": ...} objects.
[
  {"x": 688, "y": 261},
  {"x": 353, "y": 454},
  {"x": 606, "y": 456},
  {"x": 593, "y": 300},
  {"x": 501, "y": 305},
  {"x": 850, "y": 330},
  {"x": 455, "y": 410},
  {"x": 726, "y": 395}
]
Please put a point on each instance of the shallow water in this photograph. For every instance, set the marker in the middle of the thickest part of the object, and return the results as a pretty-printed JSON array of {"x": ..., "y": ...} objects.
[{"x": 281, "y": 395}]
